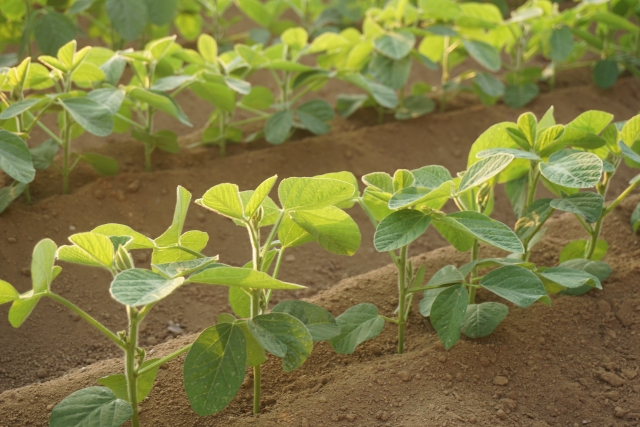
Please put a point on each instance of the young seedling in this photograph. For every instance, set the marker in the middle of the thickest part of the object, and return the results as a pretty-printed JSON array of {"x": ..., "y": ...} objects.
[{"x": 310, "y": 211}]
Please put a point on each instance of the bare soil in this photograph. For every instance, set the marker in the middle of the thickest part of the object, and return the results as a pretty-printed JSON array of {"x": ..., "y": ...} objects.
[{"x": 554, "y": 359}]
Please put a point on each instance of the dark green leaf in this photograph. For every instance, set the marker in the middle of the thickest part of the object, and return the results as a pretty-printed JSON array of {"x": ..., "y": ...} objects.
[
  {"x": 320, "y": 323},
  {"x": 517, "y": 96},
  {"x": 448, "y": 312},
  {"x": 587, "y": 205},
  {"x": 93, "y": 406},
  {"x": 399, "y": 229},
  {"x": 102, "y": 164},
  {"x": 605, "y": 73},
  {"x": 482, "y": 319},
  {"x": 278, "y": 128},
  {"x": 517, "y": 285},
  {"x": 52, "y": 31},
  {"x": 485, "y": 54},
  {"x": 15, "y": 157},
  {"x": 93, "y": 117},
  {"x": 357, "y": 325},
  {"x": 128, "y": 17}
]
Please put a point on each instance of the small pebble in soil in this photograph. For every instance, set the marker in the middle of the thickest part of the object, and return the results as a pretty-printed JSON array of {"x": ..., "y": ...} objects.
[
  {"x": 619, "y": 412},
  {"x": 98, "y": 194},
  {"x": 351, "y": 417},
  {"x": 12, "y": 240},
  {"x": 484, "y": 362},
  {"x": 500, "y": 380},
  {"x": 404, "y": 376},
  {"x": 442, "y": 359},
  {"x": 612, "y": 379},
  {"x": 501, "y": 414},
  {"x": 290, "y": 258},
  {"x": 134, "y": 186},
  {"x": 41, "y": 373}
]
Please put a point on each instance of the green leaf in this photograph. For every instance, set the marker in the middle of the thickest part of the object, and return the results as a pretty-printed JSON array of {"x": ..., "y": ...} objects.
[
  {"x": 102, "y": 164},
  {"x": 331, "y": 227},
  {"x": 614, "y": 21},
  {"x": 484, "y": 170},
  {"x": 137, "y": 287},
  {"x": 22, "y": 308},
  {"x": 489, "y": 84},
  {"x": 19, "y": 107},
  {"x": 314, "y": 114},
  {"x": 357, "y": 325},
  {"x": 395, "y": 45},
  {"x": 536, "y": 214},
  {"x": 128, "y": 17},
  {"x": 571, "y": 278},
  {"x": 587, "y": 205},
  {"x": 428, "y": 297},
  {"x": 43, "y": 270},
  {"x": 208, "y": 48},
  {"x": 421, "y": 197},
  {"x": 480, "y": 227},
  {"x": 599, "y": 269},
  {"x": 295, "y": 38},
  {"x": 517, "y": 285},
  {"x": 90, "y": 249},
  {"x": 259, "y": 98},
  {"x": 7, "y": 293},
  {"x": 312, "y": 193},
  {"x": 380, "y": 180},
  {"x": 592, "y": 121},
  {"x": 223, "y": 199},
  {"x": 241, "y": 277},
  {"x": 518, "y": 154},
  {"x": 635, "y": 218},
  {"x": 605, "y": 73},
  {"x": 291, "y": 234},
  {"x": 428, "y": 176},
  {"x": 390, "y": 72},
  {"x": 256, "y": 11},
  {"x": 631, "y": 157},
  {"x": 383, "y": 95},
  {"x": 259, "y": 196},
  {"x": 448, "y": 312},
  {"x": 162, "y": 12},
  {"x": 184, "y": 268},
  {"x": 15, "y": 158},
  {"x": 93, "y": 406},
  {"x": 399, "y": 229},
  {"x": 91, "y": 116},
  {"x": 561, "y": 43},
  {"x": 284, "y": 336},
  {"x": 169, "y": 83},
  {"x": 349, "y": 178},
  {"x": 240, "y": 302},
  {"x": 517, "y": 96},
  {"x": 117, "y": 383},
  {"x": 140, "y": 241},
  {"x": 160, "y": 101},
  {"x": 403, "y": 178},
  {"x": 215, "y": 368},
  {"x": 485, "y": 54},
  {"x": 482, "y": 319},
  {"x": 414, "y": 106},
  {"x": 172, "y": 235},
  {"x": 573, "y": 169},
  {"x": 320, "y": 323},
  {"x": 52, "y": 31},
  {"x": 278, "y": 128},
  {"x": 578, "y": 249}
]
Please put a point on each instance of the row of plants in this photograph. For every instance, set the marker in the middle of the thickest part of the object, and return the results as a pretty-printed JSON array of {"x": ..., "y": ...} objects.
[{"x": 576, "y": 162}]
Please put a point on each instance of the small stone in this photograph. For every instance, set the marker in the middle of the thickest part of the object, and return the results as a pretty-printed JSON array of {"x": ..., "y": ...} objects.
[
  {"x": 473, "y": 419},
  {"x": 41, "y": 373},
  {"x": 448, "y": 377},
  {"x": 120, "y": 196},
  {"x": 26, "y": 271},
  {"x": 442, "y": 359},
  {"x": 501, "y": 381},
  {"x": 152, "y": 340},
  {"x": 508, "y": 403},
  {"x": 604, "y": 305},
  {"x": 501, "y": 414},
  {"x": 134, "y": 186},
  {"x": 175, "y": 328},
  {"x": 98, "y": 194},
  {"x": 382, "y": 416},
  {"x": 290, "y": 258},
  {"x": 322, "y": 399},
  {"x": 12, "y": 240},
  {"x": 201, "y": 217},
  {"x": 612, "y": 379},
  {"x": 629, "y": 373},
  {"x": 50, "y": 406},
  {"x": 484, "y": 362},
  {"x": 351, "y": 417},
  {"x": 619, "y": 412},
  {"x": 613, "y": 395},
  {"x": 404, "y": 376},
  {"x": 459, "y": 377}
]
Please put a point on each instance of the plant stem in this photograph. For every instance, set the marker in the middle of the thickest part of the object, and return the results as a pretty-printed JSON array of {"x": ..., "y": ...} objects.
[
  {"x": 148, "y": 148},
  {"x": 474, "y": 272},
  {"x": 66, "y": 153},
  {"x": 402, "y": 292},
  {"x": 27, "y": 195},
  {"x": 445, "y": 73},
  {"x": 130, "y": 371},
  {"x": 164, "y": 360},
  {"x": 255, "y": 310},
  {"x": 533, "y": 184},
  {"x": 93, "y": 322}
]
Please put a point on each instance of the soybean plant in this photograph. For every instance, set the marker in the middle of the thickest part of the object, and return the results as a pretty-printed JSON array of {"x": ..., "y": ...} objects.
[{"x": 310, "y": 211}]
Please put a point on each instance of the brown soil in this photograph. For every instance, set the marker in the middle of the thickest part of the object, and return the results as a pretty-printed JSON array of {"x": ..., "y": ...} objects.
[{"x": 552, "y": 357}]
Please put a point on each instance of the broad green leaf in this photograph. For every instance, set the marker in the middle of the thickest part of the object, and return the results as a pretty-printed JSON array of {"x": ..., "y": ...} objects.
[
  {"x": 312, "y": 193},
  {"x": 259, "y": 195},
  {"x": 137, "y": 287},
  {"x": 402, "y": 178},
  {"x": 395, "y": 45},
  {"x": 592, "y": 121},
  {"x": 52, "y": 31},
  {"x": 109, "y": 97},
  {"x": 428, "y": 176},
  {"x": 295, "y": 38},
  {"x": 104, "y": 165},
  {"x": 320, "y": 323},
  {"x": 447, "y": 275},
  {"x": 140, "y": 241},
  {"x": 573, "y": 169},
  {"x": 482, "y": 319},
  {"x": 241, "y": 277},
  {"x": 128, "y": 17},
  {"x": 278, "y": 128},
  {"x": 22, "y": 308},
  {"x": 225, "y": 200},
  {"x": 92, "y": 406},
  {"x": 599, "y": 269},
  {"x": 184, "y": 268},
  {"x": 635, "y": 218},
  {"x": 19, "y": 107},
  {"x": 518, "y": 154},
  {"x": 331, "y": 227},
  {"x": 605, "y": 73},
  {"x": 489, "y": 84},
  {"x": 88, "y": 73},
  {"x": 536, "y": 214},
  {"x": 578, "y": 249},
  {"x": 172, "y": 235},
  {"x": 517, "y": 193},
  {"x": 215, "y": 368},
  {"x": 390, "y": 73},
  {"x": 570, "y": 278},
  {"x": 383, "y": 95},
  {"x": 348, "y": 104},
  {"x": 15, "y": 158},
  {"x": 570, "y": 137},
  {"x": 414, "y": 106},
  {"x": 380, "y": 180},
  {"x": 90, "y": 249},
  {"x": 117, "y": 383},
  {"x": 349, "y": 178},
  {"x": 420, "y": 196},
  {"x": 428, "y": 297},
  {"x": 43, "y": 270},
  {"x": 162, "y": 12},
  {"x": 587, "y": 205},
  {"x": 517, "y": 285},
  {"x": 448, "y": 312},
  {"x": 357, "y": 325},
  {"x": 630, "y": 132},
  {"x": 483, "y": 228},
  {"x": 314, "y": 114},
  {"x": 631, "y": 157},
  {"x": 256, "y": 11},
  {"x": 240, "y": 302},
  {"x": 169, "y": 83},
  {"x": 208, "y": 48},
  {"x": 399, "y": 229},
  {"x": 259, "y": 98},
  {"x": 613, "y": 20},
  {"x": 517, "y": 96},
  {"x": 7, "y": 293},
  {"x": 91, "y": 116},
  {"x": 484, "y": 170},
  {"x": 561, "y": 44},
  {"x": 291, "y": 234},
  {"x": 485, "y": 54},
  {"x": 284, "y": 336},
  {"x": 160, "y": 101}
]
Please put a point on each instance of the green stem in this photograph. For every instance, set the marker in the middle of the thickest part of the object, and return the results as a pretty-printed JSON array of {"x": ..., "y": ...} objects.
[
  {"x": 93, "y": 322},
  {"x": 619, "y": 199},
  {"x": 149, "y": 148},
  {"x": 130, "y": 371},
  {"x": 163, "y": 360},
  {"x": 532, "y": 186},
  {"x": 593, "y": 242},
  {"x": 189, "y": 251},
  {"x": 27, "y": 194},
  {"x": 474, "y": 272},
  {"x": 66, "y": 153},
  {"x": 402, "y": 292},
  {"x": 389, "y": 319},
  {"x": 255, "y": 310},
  {"x": 273, "y": 233}
]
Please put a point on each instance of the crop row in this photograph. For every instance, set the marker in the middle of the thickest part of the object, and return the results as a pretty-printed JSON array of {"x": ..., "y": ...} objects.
[
  {"x": 100, "y": 90},
  {"x": 575, "y": 162}
]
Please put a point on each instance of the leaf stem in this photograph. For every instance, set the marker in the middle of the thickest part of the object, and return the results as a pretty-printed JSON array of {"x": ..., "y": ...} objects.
[
  {"x": 402, "y": 289},
  {"x": 130, "y": 371},
  {"x": 164, "y": 360}
]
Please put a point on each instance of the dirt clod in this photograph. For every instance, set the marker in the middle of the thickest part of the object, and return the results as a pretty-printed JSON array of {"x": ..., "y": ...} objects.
[
  {"x": 500, "y": 380},
  {"x": 612, "y": 379}
]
